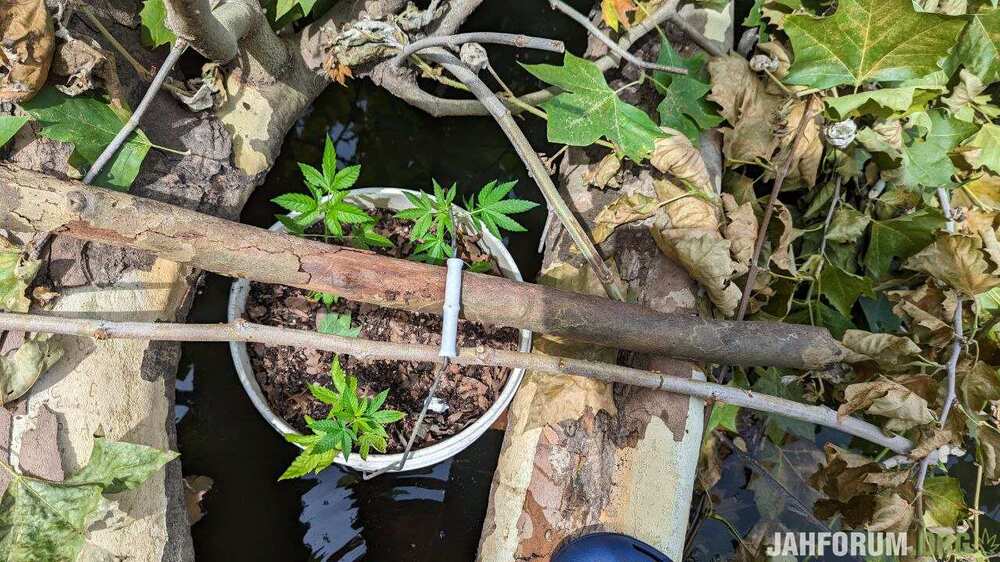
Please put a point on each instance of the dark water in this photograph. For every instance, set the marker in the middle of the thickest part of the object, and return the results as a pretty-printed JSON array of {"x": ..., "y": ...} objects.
[{"x": 434, "y": 514}]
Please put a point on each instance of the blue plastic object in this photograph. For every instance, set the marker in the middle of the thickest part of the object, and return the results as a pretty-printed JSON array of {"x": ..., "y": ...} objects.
[{"x": 607, "y": 547}]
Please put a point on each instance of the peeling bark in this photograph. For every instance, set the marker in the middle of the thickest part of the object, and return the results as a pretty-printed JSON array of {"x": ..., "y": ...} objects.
[{"x": 34, "y": 202}]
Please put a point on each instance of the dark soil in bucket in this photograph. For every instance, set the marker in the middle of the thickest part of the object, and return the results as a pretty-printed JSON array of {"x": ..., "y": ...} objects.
[{"x": 285, "y": 372}]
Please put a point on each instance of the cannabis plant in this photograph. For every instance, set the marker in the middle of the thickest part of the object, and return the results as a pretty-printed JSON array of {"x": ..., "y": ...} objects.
[
  {"x": 325, "y": 202},
  {"x": 352, "y": 421},
  {"x": 433, "y": 222}
]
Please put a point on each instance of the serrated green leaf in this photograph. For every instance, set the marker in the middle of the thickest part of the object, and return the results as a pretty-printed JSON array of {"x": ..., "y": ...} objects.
[
  {"x": 324, "y": 394},
  {"x": 295, "y": 202},
  {"x": 684, "y": 106},
  {"x": 338, "y": 376},
  {"x": 90, "y": 126},
  {"x": 900, "y": 238},
  {"x": 44, "y": 520},
  {"x": 978, "y": 48},
  {"x": 346, "y": 177},
  {"x": 337, "y": 324},
  {"x": 154, "y": 24},
  {"x": 312, "y": 176},
  {"x": 9, "y": 126},
  {"x": 868, "y": 41},
  {"x": 925, "y": 161},
  {"x": 842, "y": 289},
  {"x": 589, "y": 109},
  {"x": 387, "y": 416}
]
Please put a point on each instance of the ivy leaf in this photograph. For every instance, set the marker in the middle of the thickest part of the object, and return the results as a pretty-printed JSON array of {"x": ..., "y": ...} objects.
[
  {"x": 868, "y": 41},
  {"x": 900, "y": 238},
  {"x": 45, "y": 520},
  {"x": 988, "y": 139},
  {"x": 925, "y": 161},
  {"x": 154, "y": 24},
  {"x": 337, "y": 324},
  {"x": 979, "y": 47},
  {"x": 9, "y": 126},
  {"x": 589, "y": 109},
  {"x": 684, "y": 106},
  {"x": 285, "y": 6},
  {"x": 90, "y": 125}
]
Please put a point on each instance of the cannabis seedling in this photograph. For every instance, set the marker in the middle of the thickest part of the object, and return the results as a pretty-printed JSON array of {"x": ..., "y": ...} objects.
[
  {"x": 352, "y": 420},
  {"x": 325, "y": 202},
  {"x": 433, "y": 220}
]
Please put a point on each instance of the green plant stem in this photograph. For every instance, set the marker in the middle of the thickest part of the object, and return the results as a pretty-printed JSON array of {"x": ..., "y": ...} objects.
[
  {"x": 242, "y": 331},
  {"x": 536, "y": 169}
]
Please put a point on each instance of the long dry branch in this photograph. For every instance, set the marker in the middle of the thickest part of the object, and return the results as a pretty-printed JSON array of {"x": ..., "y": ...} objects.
[
  {"x": 34, "y": 202},
  {"x": 493, "y": 38},
  {"x": 367, "y": 349},
  {"x": 536, "y": 169}
]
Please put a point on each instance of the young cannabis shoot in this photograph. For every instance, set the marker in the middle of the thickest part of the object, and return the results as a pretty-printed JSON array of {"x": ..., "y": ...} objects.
[
  {"x": 352, "y": 421},
  {"x": 433, "y": 221},
  {"x": 326, "y": 203}
]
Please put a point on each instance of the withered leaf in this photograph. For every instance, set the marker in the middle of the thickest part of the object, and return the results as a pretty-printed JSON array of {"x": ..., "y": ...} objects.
[
  {"x": 889, "y": 351},
  {"x": 26, "y": 49},
  {"x": 904, "y": 408},
  {"x": 959, "y": 261}
]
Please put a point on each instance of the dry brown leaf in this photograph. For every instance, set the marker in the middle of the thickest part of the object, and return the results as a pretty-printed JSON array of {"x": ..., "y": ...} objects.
[
  {"x": 675, "y": 155},
  {"x": 987, "y": 453},
  {"x": 924, "y": 309},
  {"x": 883, "y": 136},
  {"x": 850, "y": 481},
  {"x": 82, "y": 67},
  {"x": 978, "y": 385},
  {"x": 984, "y": 190},
  {"x": 19, "y": 370},
  {"x": 602, "y": 175},
  {"x": 959, "y": 261},
  {"x": 625, "y": 209},
  {"x": 892, "y": 514},
  {"x": 904, "y": 408},
  {"x": 809, "y": 151},
  {"x": 783, "y": 255},
  {"x": 195, "y": 488},
  {"x": 889, "y": 351},
  {"x": 741, "y": 231},
  {"x": 706, "y": 259},
  {"x": 26, "y": 49},
  {"x": 747, "y": 106},
  {"x": 778, "y": 52}
]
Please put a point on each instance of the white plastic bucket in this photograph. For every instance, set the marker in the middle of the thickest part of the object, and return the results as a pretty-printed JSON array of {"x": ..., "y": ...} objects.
[{"x": 394, "y": 199}]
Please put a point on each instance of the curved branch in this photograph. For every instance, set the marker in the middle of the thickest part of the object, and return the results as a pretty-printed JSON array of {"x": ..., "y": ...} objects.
[
  {"x": 617, "y": 49},
  {"x": 213, "y": 33},
  {"x": 536, "y": 169},
  {"x": 511, "y": 39},
  {"x": 242, "y": 331}
]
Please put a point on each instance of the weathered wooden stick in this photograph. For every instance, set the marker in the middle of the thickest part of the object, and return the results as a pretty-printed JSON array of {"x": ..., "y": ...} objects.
[
  {"x": 368, "y": 349},
  {"x": 35, "y": 202}
]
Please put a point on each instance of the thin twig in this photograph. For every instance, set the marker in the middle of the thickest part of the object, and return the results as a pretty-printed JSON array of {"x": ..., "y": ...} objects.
[
  {"x": 136, "y": 65},
  {"x": 779, "y": 180},
  {"x": 829, "y": 216},
  {"x": 581, "y": 19},
  {"x": 956, "y": 344},
  {"x": 511, "y": 39},
  {"x": 241, "y": 331},
  {"x": 536, "y": 169},
  {"x": 176, "y": 51},
  {"x": 705, "y": 43}
]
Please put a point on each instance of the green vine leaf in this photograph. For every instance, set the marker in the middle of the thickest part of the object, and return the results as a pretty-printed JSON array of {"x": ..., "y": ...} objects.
[
  {"x": 284, "y": 6},
  {"x": 155, "y": 32},
  {"x": 684, "y": 106},
  {"x": 868, "y": 41},
  {"x": 589, "y": 109},
  {"x": 45, "y": 520},
  {"x": 925, "y": 161},
  {"x": 988, "y": 139},
  {"x": 90, "y": 126},
  {"x": 9, "y": 126},
  {"x": 337, "y": 324}
]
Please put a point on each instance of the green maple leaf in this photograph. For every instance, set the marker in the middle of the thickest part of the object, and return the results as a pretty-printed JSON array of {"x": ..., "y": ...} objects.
[
  {"x": 900, "y": 238},
  {"x": 979, "y": 47},
  {"x": 868, "y": 41},
  {"x": 90, "y": 126},
  {"x": 337, "y": 324},
  {"x": 684, "y": 106},
  {"x": 843, "y": 289},
  {"x": 284, "y": 6},
  {"x": 9, "y": 126},
  {"x": 45, "y": 520},
  {"x": 154, "y": 24},
  {"x": 589, "y": 109},
  {"x": 988, "y": 139},
  {"x": 883, "y": 102},
  {"x": 925, "y": 161}
]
